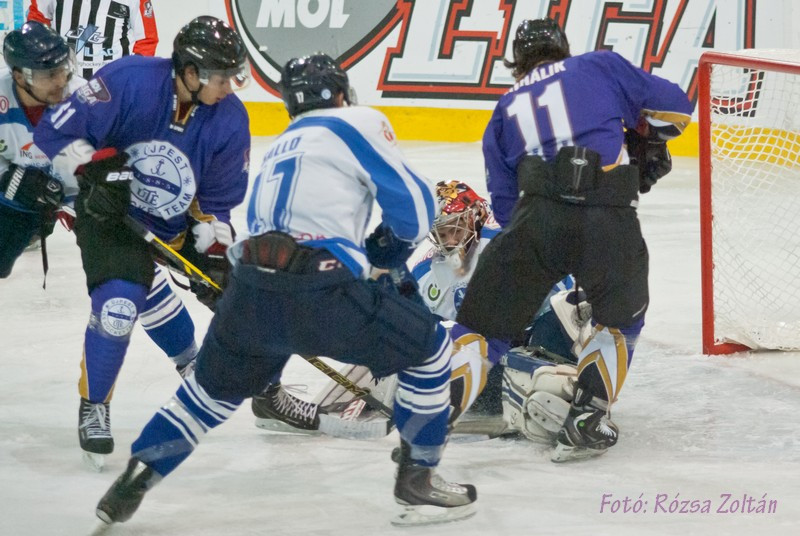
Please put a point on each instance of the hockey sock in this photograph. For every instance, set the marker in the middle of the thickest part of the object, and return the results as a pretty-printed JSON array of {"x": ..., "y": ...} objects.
[
  {"x": 422, "y": 402},
  {"x": 167, "y": 322},
  {"x": 115, "y": 306},
  {"x": 177, "y": 427}
]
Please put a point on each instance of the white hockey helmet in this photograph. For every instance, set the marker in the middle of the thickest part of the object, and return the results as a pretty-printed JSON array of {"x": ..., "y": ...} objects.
[{"x": 457, "y": 227}]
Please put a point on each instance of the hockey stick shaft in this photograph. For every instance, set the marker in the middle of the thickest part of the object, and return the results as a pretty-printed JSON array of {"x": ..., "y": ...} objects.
[
  {"x": 172, "y": 256},
  {"x": 358, "y": 392}
]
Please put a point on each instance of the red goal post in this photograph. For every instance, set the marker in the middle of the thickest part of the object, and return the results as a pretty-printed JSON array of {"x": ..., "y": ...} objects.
[{"x": 749, "y": 128}]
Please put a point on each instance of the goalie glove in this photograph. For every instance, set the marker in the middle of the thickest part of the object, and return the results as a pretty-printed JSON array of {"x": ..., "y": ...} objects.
[
  {"x": 650, "y": 155},
  {"x": 105, "y": 184},
  {"x": 31, "y": 187}
]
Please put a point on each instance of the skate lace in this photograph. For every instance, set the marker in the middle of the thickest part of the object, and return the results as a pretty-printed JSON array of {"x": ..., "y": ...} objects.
[
  {"x": 288, "y": 404},
  {"x": 95, "y": 420},
  {"x": 443, "y": 485}
]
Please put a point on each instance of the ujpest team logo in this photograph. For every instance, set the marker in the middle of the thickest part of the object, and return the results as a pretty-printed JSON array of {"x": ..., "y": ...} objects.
[
  {"x": 164, "y": 183},
  {"x": 118, "y": 316}
]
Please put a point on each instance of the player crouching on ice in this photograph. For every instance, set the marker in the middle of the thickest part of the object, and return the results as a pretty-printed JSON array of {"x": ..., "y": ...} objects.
[
  {"x": 537, "y": 379},
  {"x": 288, "y": 294}
]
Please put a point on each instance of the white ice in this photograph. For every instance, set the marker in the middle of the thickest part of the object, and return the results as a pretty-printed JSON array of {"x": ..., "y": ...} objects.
[{"x": 692, "y": 427}]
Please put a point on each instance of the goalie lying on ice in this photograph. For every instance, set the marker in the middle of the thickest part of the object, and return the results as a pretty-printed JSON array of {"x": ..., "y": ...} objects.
[{"x": 537, "y": 378}]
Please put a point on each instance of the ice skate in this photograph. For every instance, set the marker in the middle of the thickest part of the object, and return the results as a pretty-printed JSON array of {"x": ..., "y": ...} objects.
[
  {"x": 124, "y": 496},
  {"x": 278, "y": 410},
  {"x": 587, "y": 431},
  {"x": 427, "y": 497},
  {"x": 94, "y": 433}
]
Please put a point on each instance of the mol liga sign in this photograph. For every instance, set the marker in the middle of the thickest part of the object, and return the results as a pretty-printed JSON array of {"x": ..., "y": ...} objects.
[{"x": 453, "y": 49}]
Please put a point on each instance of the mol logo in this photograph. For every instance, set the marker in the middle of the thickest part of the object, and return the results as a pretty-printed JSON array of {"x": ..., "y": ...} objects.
[
  {"x": 278, "y": 30},
  {"x": 454, "y": 49}
]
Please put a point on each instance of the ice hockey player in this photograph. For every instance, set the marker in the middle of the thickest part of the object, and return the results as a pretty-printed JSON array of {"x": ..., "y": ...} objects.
[
  {"x": 39, "y": 75},
  {"x": 298, "y": 286},
  {"x": 555, "y": 153},
  {"x": 162, "y": 143},
  {"x": 535, "y": 392}
]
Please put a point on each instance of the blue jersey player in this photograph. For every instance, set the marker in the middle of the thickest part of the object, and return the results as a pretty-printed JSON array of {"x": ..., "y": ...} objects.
[
  {"x": 555, "y": 153},
  {"x": 299, "y": 285},
  {"x": 163, "y": 143}
]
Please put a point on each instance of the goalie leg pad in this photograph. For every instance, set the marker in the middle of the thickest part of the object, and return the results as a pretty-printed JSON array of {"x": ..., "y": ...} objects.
[
  {"x": 537, "y": 404},
  {"x": 470, "y": 367}
]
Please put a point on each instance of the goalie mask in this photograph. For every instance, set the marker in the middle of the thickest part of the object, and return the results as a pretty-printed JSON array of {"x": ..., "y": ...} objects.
[{"x": 457, "y": 227}]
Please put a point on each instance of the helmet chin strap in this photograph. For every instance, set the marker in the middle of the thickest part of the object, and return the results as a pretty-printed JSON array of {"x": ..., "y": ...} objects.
[
  {"x": 194, "y": 94},
  {"x": 27, "y": 88}
]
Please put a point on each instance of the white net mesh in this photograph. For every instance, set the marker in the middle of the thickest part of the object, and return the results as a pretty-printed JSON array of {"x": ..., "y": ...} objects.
[{"x": 755, "y": 181}]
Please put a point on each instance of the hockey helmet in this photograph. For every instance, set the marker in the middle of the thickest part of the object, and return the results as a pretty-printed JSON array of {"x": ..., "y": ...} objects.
[
  {"x": 312, "y": 82},
  {"x": 214, "y": 48},
  {"x": 38, "y": 52},
  {"x": 457, "y": 227},
  {"x": 538, "y": 40}
]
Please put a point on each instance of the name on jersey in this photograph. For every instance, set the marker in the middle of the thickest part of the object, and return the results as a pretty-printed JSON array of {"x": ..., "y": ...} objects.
[
  {"x": 542, "y": 73},
  {"x": 283, "y": 147},
  {"x": 164, "y": 183}
]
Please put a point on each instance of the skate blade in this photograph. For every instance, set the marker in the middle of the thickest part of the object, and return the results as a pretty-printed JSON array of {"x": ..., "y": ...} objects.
[
  {"x": 347, "y": 429},
  {"x": 427, "y": 514},
  {"x": 274, "y": 425},
  {"x": 100, "y": 527},
  {"x": 549, "y": 411},
  {"x": 564, "y": 453},
  {"x": 94, "y": 461}
]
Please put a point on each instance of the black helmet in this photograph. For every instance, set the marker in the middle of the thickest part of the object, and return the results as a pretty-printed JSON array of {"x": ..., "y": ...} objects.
[
  {"x": 313, "y": 82},
  {"x": 36, "y": 47},
  {"x": 212, "y": 47},
  {"x": 536, "y": 41}
]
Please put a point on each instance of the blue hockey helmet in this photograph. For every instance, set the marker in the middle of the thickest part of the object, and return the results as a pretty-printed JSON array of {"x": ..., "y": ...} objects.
[
  {"x": 214, "y": 48},
  {"x": 312, "y": 82},
  {"x": 36, "y": 47},
  {"x": 538, "y": 40}
]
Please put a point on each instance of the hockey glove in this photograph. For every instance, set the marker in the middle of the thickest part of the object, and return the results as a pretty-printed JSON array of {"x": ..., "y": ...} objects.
[
  {"x": 650, "y": 155},
  {"x": 385, "y": 249},
  {"x": 217, "y": 268},
  {"x": 105, "y": 184},
  {"x": 399, "y": 280},
  {"x": 31, "y": 187},
  {"x": 212, "y": 237}
]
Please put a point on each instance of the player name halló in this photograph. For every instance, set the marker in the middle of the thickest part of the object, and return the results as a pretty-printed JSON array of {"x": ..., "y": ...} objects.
[{"x": 664, "y": 503}]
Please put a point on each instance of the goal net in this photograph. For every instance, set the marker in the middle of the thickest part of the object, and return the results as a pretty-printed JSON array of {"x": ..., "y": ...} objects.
[{"x": 749, "y": 119}]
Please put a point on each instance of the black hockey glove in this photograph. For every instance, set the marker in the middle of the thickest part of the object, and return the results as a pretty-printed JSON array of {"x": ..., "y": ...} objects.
[
  {"x": 401, "y": 282},
  {"x": 31, "y": 187},
  {"x": 217, "y": 268},
  {"x": 650, "y": 155},
  {"x": 105, "y": 185},
  {"x": 385, "y": 249}
]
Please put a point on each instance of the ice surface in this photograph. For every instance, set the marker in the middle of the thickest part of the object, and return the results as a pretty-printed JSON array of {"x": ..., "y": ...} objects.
[{"x": 691, "y": 426}]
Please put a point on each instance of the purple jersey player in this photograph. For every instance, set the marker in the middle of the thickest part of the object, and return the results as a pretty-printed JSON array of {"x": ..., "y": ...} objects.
[{"x": 558, "y": 154}]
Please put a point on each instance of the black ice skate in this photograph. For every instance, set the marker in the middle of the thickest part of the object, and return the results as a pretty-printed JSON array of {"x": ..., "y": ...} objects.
[
  {"x": 125, "y": 495},
  {"x": 94, "y": 432},
  {"x": 427, "y": 497},
  {"x": 278, "y": 410},
  {"x": 587, "y": 431}
]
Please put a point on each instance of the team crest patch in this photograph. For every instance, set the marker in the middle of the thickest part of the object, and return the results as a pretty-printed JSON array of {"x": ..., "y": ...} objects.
[
  {"x": 164, "y": 183},
  {"x": 148, "y": 10},
  {"x": 458, "y": 296},
  {"x": 117, "y": 316},
  {"x": 93, "y": 92}
]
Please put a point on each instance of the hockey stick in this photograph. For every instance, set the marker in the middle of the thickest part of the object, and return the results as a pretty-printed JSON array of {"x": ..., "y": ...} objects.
[
  {"x": 359, "y": 392},
  {"x": 175, "y": 259}
]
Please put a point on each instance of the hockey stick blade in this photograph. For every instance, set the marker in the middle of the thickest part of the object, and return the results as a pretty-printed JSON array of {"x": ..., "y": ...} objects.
[
  {"x": 491, "y": 428},
  {"x": 348, "y": 429}
]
